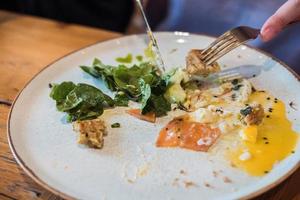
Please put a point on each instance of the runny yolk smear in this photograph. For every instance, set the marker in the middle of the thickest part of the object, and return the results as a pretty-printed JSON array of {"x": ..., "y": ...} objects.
[
  {"x": 181, "y": 132},
  {"x": 275, "y": 138}
]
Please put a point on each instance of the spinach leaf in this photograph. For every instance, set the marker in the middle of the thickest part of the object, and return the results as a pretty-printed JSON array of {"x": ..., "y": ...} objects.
[
  {"x": 160, "y": 105},
  {"x": 127, "y": 79},
  {"x": 60, "y": 91},
  {"x": 81, "y": 101},
  {"x": 140, "y": 83},
  {"x": 91, "y": 71},
  {"x": 152, "y": 102},
  {"x": 121, "y": 99},
  {"x": 157, "y": 104},
  {"x": 101, "y": 71},
  {"x": 146, "y": 93}
]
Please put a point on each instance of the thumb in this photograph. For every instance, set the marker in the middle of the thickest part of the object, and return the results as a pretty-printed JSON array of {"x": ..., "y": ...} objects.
[{"x": 287, "y": 13}]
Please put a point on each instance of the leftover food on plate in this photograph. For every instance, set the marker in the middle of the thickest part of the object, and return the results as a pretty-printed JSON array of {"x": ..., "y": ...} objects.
[
  {"x": 253, "y": 122},
  {"x": 91, "y": 132},
  {"x": 194, "y": 64}
]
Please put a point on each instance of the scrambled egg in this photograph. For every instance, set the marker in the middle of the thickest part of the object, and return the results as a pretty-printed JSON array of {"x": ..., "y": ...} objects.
[
  {"x": 258, "y": 120},
  {"x": 249, "y": 133}
]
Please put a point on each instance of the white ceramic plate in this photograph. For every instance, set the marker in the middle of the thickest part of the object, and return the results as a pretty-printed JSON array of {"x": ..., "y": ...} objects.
[{"x": 129, "y": 166}]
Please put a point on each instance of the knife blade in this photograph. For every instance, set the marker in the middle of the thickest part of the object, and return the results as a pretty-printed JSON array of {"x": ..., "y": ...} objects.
[{"x": 156, "y": 50}]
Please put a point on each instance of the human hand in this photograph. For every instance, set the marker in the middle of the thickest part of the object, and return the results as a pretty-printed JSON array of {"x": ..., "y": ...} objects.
[{"x": 287, "y": 13}]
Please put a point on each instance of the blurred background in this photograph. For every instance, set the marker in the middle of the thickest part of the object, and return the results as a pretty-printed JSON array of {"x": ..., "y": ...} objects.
[{"x": 196, "y": 16}]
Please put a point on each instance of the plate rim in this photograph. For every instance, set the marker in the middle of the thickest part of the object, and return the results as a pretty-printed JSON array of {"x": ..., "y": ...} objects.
[{"x": 55, "y": 191}]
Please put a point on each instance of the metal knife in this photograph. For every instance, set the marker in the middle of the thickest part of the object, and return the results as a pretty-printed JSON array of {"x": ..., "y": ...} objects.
[{"x": 159, "y": 59}]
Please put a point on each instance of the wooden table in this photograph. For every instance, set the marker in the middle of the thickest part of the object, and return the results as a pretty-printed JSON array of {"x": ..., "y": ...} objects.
[{"x": 27, "y": 44}]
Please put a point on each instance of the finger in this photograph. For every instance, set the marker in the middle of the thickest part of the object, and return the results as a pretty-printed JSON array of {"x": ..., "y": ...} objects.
[{"x": 287, "y": 13}]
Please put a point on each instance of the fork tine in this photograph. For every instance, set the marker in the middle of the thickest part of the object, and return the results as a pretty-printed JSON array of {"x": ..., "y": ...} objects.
[
  {"x": 213, "y": 59},
  {"x": 216, "y": 46},
  {"x": 223, "y": 52},
  {"x": 219, "y": 50},
  {"x": 227, "y": 42},
  {"x": 222, "y": 37}
]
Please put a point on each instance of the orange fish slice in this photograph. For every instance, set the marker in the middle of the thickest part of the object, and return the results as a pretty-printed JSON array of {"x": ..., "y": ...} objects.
[
  {"x": 149, "y": 117},
  {"x": 187, "y": 134}
]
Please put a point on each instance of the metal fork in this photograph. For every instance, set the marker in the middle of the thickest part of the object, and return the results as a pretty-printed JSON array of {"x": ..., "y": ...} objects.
[{"x": 227, "y": 42}]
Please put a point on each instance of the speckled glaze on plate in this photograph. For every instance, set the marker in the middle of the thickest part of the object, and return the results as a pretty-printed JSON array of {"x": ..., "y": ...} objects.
[{"x": 130, "y": 166}]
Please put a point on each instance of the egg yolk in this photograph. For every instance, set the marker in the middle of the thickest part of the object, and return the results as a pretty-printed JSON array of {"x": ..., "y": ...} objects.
[
  {"x": 249, "y": 133},
  {"x": 275, "y": 138}
]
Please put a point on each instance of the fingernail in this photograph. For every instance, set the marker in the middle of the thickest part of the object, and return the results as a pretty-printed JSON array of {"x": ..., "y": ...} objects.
[{"x": 268, "y": 33}]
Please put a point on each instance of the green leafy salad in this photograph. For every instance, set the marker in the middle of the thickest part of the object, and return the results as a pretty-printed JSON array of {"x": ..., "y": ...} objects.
[
  {"x": 80, "y": 101},
  {"x": 140, "y": 83}
]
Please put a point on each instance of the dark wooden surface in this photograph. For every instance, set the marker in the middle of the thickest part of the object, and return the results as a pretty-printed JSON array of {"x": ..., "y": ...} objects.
[{"x": 27, "y": 44}]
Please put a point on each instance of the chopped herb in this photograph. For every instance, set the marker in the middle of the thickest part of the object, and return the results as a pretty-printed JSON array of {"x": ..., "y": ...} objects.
[
  {"x": 265, "y": 138},
  {"x": 116, "y": 125},
  {"x": 192, "y": 85},
  {"x": 127, "y": 59},
  {"x": 235, "y": 81},
  {"x": 246, "y": 111},
  {"x": 139, "y": 58},
  {"x": 270, "y": 109},
  {"x": 233, "y": 97},
  {"x": 215, "y": 96},
  {"x": 266, "y": 172},
  {"x": 266, "y": 142},
  {"x": 182, "y": 107},
  {"x": 237, "y": 87},
  {"x": 276, "y": 99},
  {"x": 253, "y": 89},
  {"x": 50, "y": 85},
  {"x": 268, "y": 116},
  {"x": 219, "y": 110},
  {"x": 292, "y": 105},
  {"x": 172, "y": 51},
  {"x": 268, "y": 98},
  {"x": 292, "y": 151}
]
